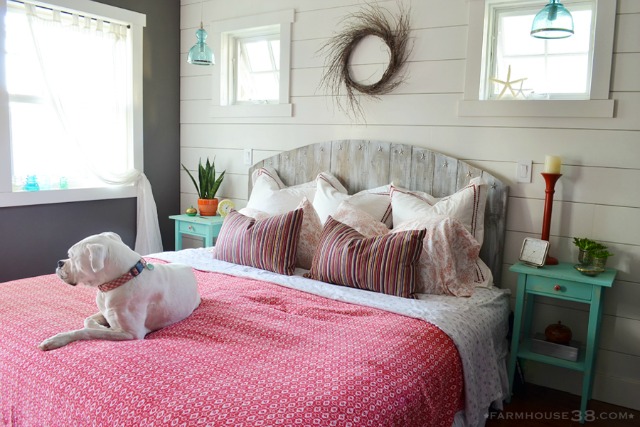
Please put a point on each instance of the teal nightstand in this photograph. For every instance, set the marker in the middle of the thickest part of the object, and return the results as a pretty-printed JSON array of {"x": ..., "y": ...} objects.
[
  {"x": 564, "y": 282},
  {"x": 205, "y": 227}
]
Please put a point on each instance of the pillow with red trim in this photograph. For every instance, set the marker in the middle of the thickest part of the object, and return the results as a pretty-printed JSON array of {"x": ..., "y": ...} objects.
[
  {"x": 466, "y": 205},
  {"x": 270, "y": 195},
  {"x": 268, "y": 244},
  {"x": 384, "y": 264},
  {"x": 330, "y": 193}
]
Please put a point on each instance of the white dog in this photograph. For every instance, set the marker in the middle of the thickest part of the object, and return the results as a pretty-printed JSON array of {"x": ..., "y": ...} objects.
[{"x": 134, "y": 297}]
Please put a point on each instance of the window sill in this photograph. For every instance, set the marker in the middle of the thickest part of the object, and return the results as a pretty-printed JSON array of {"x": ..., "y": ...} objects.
[
  {"x": 598, "y": 108},
  {"x": 257, "y": 110},
  {"x": 25, "y": 198}
]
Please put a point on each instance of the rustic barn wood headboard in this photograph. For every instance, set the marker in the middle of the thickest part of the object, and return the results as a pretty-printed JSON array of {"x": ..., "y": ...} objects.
[{"x": 363, "y": 164}]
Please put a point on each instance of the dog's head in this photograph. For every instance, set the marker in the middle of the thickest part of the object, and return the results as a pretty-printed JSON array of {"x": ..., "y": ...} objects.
[{"x": 96, "y": 259}]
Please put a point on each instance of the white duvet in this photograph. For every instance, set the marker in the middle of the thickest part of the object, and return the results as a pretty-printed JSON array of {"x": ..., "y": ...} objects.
[{"x": 478, "y": 324}]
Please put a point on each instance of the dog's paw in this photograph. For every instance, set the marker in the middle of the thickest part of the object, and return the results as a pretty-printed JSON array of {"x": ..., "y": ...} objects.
[{"x": 52, "y": 343}]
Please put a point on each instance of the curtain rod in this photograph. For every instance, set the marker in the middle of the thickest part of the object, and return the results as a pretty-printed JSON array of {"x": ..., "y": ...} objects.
[{"x": 65, "y": 12}]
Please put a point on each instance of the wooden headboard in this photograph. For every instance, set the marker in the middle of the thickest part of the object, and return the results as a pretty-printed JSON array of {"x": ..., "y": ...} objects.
[{"x": 362, "y": 164}]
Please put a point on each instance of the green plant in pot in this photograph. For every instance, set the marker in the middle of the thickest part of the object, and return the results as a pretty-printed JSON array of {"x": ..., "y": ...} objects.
[
  {"x": 585, "y": 247},
  {"x": 206, "y": 187},
  {"x": 599, "y": 257}
]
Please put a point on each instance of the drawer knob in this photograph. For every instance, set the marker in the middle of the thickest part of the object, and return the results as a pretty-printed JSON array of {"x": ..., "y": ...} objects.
[
  {"x": 191, "y": 227},
  {"x": 557, "y": 288}
]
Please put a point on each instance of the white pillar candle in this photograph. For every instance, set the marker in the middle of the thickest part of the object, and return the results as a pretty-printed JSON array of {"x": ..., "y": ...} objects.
[{"x": 552, "y": 164}]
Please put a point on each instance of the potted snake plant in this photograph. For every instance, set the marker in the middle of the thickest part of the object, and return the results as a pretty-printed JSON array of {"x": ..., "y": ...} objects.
[{"x": 207, "y": 186}]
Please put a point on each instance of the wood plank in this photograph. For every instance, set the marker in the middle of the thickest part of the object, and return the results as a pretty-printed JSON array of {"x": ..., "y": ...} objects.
[
  {"x": 485, "y": 147},
  {"x": 418, "y": 109},
  {"x": 445, "y": 175},
  {"x": 627, "y": 33},
  {"x": 427, "y": 46},
  {"x": 399, "y": 172},
  {"x": 495, "y": 222},
  {"x": 422, "y": 169}
]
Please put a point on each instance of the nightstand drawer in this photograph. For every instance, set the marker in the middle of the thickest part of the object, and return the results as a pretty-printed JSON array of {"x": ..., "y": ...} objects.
[
  {"x": 192, "y": 228},
  {"x": 559, "y": 288}
]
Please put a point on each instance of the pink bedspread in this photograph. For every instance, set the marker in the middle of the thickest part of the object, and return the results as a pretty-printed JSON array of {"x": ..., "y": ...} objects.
[{"x": 253, "y": 354}]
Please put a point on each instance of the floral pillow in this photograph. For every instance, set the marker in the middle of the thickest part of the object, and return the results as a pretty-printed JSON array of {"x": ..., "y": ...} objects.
[
  {"x": 449, "y": 262},
  {"x": 270, "y": 243},
  {"x": 309, "y": 235},
  {"x": 359, "y": 220},
  {"x": 384, "y": 264},
  {"x": 270, "y": 195},
  {"x": 466, "y": 205}
]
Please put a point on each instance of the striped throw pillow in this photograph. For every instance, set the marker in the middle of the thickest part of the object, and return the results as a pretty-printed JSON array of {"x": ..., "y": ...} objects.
[
  {"x": 384, "y": 264},
  {"x": 268, "y": 244}
]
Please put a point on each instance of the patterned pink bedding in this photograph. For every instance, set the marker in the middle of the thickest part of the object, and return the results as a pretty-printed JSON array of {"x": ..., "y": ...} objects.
[{"x": 253, "y": 354}]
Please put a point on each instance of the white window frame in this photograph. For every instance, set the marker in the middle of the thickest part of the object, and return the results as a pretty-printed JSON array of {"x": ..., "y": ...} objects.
[
  {"x": 223, "y": 33},
  {"x": 598, "y": 105},
  {"x": 136, "y": 22}
]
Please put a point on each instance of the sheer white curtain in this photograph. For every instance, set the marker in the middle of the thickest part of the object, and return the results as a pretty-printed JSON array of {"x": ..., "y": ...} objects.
[{"x": 85, "y": 63}]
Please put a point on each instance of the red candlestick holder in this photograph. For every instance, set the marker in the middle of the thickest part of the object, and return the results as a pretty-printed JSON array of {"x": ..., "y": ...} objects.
[{"x": 550, "y": 180}]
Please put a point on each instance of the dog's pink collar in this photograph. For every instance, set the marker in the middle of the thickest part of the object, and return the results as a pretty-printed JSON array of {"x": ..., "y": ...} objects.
[{"x": 133, "y": 272}]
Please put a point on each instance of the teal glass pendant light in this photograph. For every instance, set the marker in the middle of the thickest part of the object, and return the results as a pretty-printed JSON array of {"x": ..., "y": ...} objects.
[
  {"x": 553, "y": 22},
  {"x": 200, "y": 54}
]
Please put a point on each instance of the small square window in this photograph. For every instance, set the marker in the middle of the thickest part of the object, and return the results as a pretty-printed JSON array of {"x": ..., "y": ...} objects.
[
  {"x": 550, "y": 78},
  {"x": 541, "y": 68},
  {"x": 255, "y": 66}
]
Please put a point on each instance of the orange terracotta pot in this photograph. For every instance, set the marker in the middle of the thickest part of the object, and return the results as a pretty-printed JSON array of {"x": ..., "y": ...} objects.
[{"x": 208, "y": 207}]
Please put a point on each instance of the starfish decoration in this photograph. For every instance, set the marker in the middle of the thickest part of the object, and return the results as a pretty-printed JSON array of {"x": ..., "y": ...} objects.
[{"x": 508, "y": 84}]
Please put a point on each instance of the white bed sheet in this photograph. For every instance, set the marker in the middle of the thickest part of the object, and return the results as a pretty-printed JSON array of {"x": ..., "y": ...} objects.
[{"x": 477, "y": 325}]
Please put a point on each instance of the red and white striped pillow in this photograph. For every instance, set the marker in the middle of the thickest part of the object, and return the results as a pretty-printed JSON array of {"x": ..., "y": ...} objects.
[
  {"x": 269, "y": 244},
  {"x": 384, "y": 264}
]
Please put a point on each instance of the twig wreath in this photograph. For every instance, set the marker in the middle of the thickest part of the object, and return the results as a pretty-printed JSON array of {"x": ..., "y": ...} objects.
[{"x": 370, "y": 21}]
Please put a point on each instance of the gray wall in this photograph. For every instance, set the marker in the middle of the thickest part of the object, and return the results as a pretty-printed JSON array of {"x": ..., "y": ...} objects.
[{"x": 33, "y": 238}]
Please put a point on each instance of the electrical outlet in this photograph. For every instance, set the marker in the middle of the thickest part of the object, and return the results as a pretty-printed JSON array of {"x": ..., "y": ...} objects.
[
  {"x": 523, "y": 171},
  {"x": 248, "y": 156}
]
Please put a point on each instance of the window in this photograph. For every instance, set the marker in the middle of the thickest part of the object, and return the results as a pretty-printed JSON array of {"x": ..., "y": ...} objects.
[
  {"x": 553, "y": 69},
  {"x": 71, "y": 78},
  {"x": 254, "y": 70},
  {"x": 552, "y": 78}
]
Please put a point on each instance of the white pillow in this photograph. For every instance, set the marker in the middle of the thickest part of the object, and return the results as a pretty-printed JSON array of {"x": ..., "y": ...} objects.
[
  {"x": 330, "y": 193},
  {"x": 467, "y": 205},
  {"x": 270, "y": 195}
]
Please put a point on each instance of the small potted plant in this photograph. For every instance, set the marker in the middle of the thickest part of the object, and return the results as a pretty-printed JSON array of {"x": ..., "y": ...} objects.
[
  {"x": 599, "y": 257},
  {"x": 206, "y": 187},
  {"x": 585, "y": 248}
]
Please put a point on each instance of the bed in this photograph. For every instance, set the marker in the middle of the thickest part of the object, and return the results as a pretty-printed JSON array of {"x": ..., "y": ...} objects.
[{"x": 266, "y": 348}]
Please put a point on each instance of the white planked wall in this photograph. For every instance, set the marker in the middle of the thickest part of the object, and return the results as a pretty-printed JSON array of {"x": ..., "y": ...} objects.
[{"x": 598, "y": 195}]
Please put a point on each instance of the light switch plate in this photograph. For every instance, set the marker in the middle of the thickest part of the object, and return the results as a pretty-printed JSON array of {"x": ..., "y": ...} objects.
[
  {"x": 523, "y": 171},
  {"x": 247, "y": 156}
]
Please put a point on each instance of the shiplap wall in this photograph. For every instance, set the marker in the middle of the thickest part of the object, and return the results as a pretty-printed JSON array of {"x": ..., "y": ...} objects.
[{"x": 598, "y": 195}]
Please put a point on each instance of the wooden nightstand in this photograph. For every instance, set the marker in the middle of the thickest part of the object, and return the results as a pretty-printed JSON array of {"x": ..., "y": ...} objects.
[
  {"x": 205, "y": 227},
  {"x": 564, "y": 282}
]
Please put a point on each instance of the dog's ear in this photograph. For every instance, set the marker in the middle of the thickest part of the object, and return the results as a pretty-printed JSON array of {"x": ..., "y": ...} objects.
[{"x": 97, "y": 254}]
